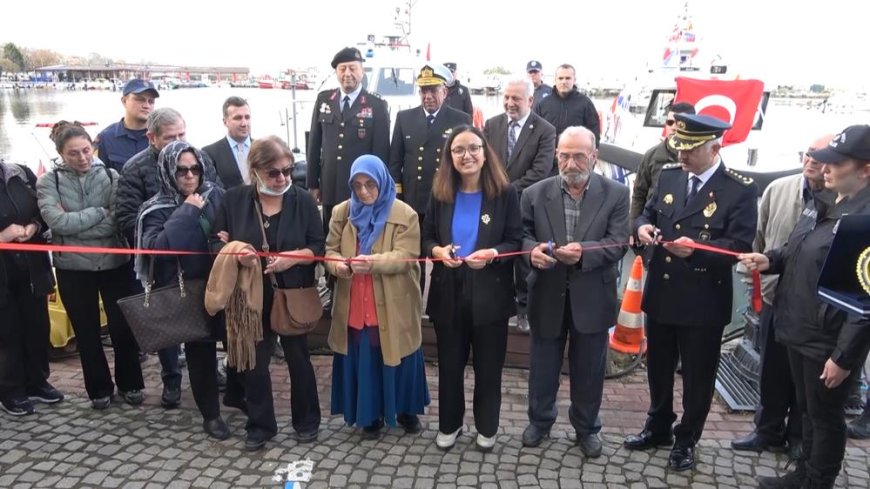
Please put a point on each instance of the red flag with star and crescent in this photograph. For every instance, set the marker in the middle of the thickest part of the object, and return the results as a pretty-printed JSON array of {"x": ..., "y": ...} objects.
[{"x": 733, "y": 101}]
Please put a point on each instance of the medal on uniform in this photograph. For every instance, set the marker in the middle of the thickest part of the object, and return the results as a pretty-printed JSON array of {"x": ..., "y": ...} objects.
[
  {"x": 485, "y": 218},
  {"x": 710, "y": 209},
  {"x": 704, "y": 236},
  {"x": 864, "y": 270},
  {"x": 669, "y": 199},
  {"x": 361, "y": 132}
]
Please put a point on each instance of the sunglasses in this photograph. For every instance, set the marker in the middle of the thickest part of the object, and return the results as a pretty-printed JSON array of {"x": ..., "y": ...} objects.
[
  {"x": 670, "y": 122},
  {"x": 274, "y": 173},
  {"x": 184, "y": 170}
]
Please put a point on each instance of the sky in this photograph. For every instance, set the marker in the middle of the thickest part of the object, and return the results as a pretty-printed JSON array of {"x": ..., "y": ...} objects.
[{"x": 775, "y": 41}]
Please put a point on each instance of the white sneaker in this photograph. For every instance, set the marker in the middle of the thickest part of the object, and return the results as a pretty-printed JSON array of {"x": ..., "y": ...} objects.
[
  {"x": 485, "y": 443},
  {"x": 445, "y": 441}
]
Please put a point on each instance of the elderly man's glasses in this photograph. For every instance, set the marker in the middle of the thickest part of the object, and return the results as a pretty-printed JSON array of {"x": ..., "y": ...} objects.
[
  {"x": 275, "y": 173},
  {"x": 181, "y": 171},
  {"x": 576, "y": 157},
  {"x": 473, "y": 150}
]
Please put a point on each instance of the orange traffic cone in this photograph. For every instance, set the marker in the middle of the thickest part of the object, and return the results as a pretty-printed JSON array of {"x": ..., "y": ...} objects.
[{"x": 628, "y": 336}]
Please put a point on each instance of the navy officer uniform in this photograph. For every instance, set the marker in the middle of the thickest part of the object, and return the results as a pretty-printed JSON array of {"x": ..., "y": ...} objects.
[
  {"x": 338, "y": 137},
  {"x": 688, "y": 301}
]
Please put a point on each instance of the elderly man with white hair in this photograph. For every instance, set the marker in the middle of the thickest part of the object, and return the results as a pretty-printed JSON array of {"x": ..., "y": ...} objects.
[
  {"x": 576, "y": 226},
  {"x": 688, "y": 292}
]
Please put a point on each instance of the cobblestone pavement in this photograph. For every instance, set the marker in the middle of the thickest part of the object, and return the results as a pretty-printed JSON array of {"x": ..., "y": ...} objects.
[{"x": 70, "y": 445}]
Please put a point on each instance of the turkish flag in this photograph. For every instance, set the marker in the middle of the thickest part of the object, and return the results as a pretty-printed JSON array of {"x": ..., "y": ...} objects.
[{"x": 733, "y": 101}]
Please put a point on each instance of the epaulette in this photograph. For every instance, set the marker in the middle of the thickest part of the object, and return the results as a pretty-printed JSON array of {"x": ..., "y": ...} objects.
[
  {"x": 741, "y": 179},
  {"x": 376, "y": 95},
  {"x": 672, "y": 166}
]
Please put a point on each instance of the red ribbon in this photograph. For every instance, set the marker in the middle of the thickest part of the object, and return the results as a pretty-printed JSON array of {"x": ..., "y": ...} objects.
[{"x": 756, "y": 277}]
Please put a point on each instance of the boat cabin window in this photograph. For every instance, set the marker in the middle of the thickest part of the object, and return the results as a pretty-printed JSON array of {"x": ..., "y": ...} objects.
[{"x": 390, "y": 81}]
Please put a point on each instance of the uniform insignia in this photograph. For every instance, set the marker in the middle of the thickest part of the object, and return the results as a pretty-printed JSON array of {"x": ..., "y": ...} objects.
[
  {"x": 365, "y": 113},
  {"x": 741, "y": 179},
  {"x": 325, "y": 108},
  {"x": 334, "y": 94},
  {"x": 864, "y": 269},
  {"x": 681, "y": 125},
  {"x": 485, "y": 218},
  {"x": 362, "y": 99},
  {"x": 461, "y": 91},
  {"x": 704, "y": 235},
  {"x": 361, "y": 133},
  {"x": 710, "y": 209},
  {"x": 669, "y": 199}
]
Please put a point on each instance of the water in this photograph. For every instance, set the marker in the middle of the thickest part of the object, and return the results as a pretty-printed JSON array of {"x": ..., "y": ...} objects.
[{"x": 789, "y": 126}]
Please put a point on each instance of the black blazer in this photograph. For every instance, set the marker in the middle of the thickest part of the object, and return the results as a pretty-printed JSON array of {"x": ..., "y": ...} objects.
[
  {"x": 533, "y": 157},
  {"x": 299, "y": 227},
  {"x": 416, "y": 151},
  {"x": 225, "y": 163},
  {"x": 591, "y": 283},
  {"x": 697, "y": 291},
  {"x": 492, "y": 287}
]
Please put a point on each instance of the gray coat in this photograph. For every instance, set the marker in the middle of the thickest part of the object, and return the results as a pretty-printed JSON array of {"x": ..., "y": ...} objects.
[
  {"x": 591, "y": 283},
  {"x": 77, "y": 207}
]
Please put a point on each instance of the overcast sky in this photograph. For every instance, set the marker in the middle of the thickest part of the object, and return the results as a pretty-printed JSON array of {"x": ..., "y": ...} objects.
[{"x": 778, "y": 42}]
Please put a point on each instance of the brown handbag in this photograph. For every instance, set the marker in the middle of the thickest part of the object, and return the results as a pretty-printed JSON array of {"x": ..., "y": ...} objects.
[{"x": 294, "y": 311}]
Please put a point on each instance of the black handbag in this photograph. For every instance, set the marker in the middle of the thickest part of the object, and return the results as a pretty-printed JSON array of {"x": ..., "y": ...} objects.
[{"x": 168, "y": 315}]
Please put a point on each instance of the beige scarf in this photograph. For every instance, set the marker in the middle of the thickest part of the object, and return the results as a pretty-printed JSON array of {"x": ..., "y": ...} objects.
[{"x": 239, "y": 290}]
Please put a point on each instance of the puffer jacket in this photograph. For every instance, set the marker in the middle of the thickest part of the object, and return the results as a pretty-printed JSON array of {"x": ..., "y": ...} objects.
[
  {"x": 140, "y": 181},
  {"x": 79, "y": 210}
]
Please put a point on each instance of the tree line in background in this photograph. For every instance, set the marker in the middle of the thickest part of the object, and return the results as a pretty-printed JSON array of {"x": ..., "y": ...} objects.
[{"x": 15, "y": 59}]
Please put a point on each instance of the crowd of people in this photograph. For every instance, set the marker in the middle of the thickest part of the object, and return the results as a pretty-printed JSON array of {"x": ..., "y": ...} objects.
[{"x": 515, "y": 221}]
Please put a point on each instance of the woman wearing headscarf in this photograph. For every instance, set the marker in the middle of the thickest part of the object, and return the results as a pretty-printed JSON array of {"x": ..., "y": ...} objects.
[
  {"x": 181, "y": 217},
  {"x": 473, "y": 216},
  {"x": 290, "y": 220},
  {"x": 378, "y": 374},
  {"x": 826, "y": 346},
  {"x": 25, "y": 282},
  {"x": 77, "y": 201}
]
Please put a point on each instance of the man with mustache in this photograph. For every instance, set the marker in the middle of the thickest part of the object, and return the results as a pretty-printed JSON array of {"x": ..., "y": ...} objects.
[{"x": 576, "y": 226}]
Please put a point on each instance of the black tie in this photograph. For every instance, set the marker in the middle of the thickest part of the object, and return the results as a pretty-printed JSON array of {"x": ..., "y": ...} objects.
[
  {"x": 430, "y": 119},
  {"x": 346, "y": 104},
  {"x": 696, "y": 184}
]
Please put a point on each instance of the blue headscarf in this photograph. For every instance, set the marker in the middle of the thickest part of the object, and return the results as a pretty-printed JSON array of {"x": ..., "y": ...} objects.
[{"x": 370, "y": 220}]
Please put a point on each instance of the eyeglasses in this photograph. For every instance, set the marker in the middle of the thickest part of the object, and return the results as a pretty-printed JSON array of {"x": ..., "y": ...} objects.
[
  {"x": 473, "y": 150},
  {"x": 370, "y": 186},
  {"x": 670, "y": 122},
  {"x": 577, "y": 157},
  {"x": 805, "y": 157},
  {"x": 274, "y": 172},
  {"x": 184, "y": 170}
]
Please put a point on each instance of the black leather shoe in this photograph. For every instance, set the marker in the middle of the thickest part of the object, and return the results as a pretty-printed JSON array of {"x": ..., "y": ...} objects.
[
  {"x": 372, "y": 431},
  {"x": 647, "y": 439},
  {"x": 239, "y": 404},
  {"x": 859, "y": 428},
  {"x": 795, "y": 450},
  {"x": 256, "y": 442},
  {"x": 216, "y": 428},
  {"x": 792, "y": 480},
  {"x": 533, "y": 436},
  {"x": 171, "y": 397},
  {"x": 590, "y": 445},
  {"x": 682, "y": 458},
  {"x": 305, "y": 436},
  {"x": 410, "y": 423},
  {"x": 754, "y": 442}
]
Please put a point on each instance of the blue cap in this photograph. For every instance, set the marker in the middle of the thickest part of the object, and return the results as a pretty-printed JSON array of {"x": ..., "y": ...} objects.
[
  {"x": 693, "y": 130},
  {"x": 137, "y": 85}
]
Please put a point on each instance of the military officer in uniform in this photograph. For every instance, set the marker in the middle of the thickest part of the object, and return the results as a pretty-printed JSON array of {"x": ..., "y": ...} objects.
[
  {"x": 688, "y": 291},
  {"x": 418, "y": 140},
  {"x": 347, "y": 122},
  {"x": 458, "y": 95}
]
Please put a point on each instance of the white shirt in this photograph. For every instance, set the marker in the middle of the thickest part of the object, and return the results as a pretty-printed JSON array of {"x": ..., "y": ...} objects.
[
  {"x": 351, "y": 97},
  {"x": 520, "y": 123},
  {"x": 704, "y": 177}
]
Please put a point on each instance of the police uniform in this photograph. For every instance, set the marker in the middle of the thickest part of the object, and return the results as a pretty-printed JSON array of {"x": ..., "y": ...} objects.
[
  {"x": 458, "y": 95},
  {"x": 337, "y": 139},
  {"x": 416, "y": 148},
  {"x": 688, "y": 300}
]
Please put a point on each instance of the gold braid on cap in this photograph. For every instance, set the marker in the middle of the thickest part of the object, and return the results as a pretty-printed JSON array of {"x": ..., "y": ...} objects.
[{"x": 863, "y": 269}]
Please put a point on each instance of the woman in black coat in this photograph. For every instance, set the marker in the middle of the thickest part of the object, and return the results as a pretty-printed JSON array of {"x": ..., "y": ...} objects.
[
  {"x": 473, "y": 216},
  {"x": 826, "y": 346},
  {"x": 291, "y": 221},
  {"x": 180, "y": 217},
  {"x": 25, "y": 282}
]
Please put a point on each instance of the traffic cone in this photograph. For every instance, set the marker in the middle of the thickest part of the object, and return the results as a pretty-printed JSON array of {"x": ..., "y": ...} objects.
[{"x": 628, "y": 335}]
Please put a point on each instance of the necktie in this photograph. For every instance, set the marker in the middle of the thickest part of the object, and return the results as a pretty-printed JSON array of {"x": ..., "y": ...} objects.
[
  {"x": 242, "y": 159},
  {"x": 346, "y": 104},
  {"x": 696, "y": 184},
  {"x": 512, "y": 137},
  {"x": 430, "y": 119}
]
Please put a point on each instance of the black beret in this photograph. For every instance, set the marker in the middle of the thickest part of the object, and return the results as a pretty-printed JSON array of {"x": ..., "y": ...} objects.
[{"x": 345, "y": 55}]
